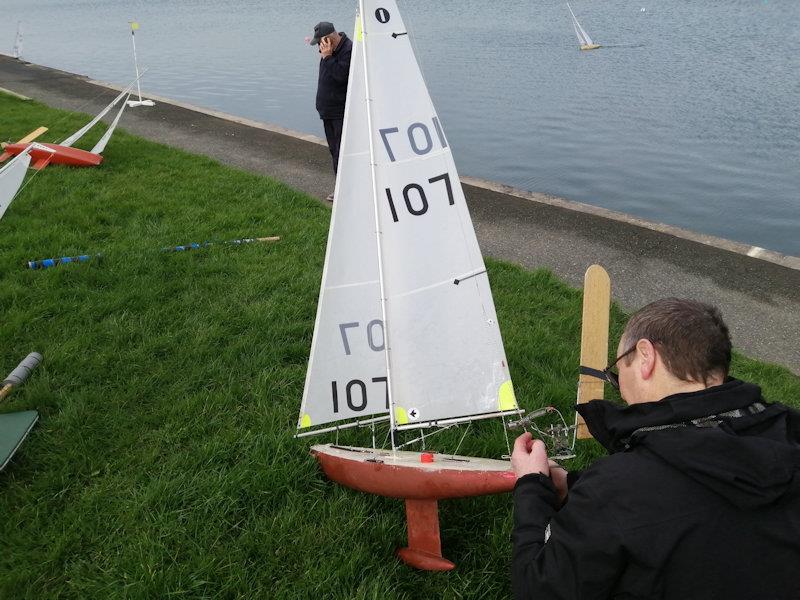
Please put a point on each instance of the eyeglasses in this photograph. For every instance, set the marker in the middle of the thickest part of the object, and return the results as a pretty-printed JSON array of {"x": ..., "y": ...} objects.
[{"x": 607, "y": 374}]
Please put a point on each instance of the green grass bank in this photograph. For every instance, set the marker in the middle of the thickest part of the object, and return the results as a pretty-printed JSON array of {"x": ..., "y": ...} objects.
[{"x": 164, "y": 463}]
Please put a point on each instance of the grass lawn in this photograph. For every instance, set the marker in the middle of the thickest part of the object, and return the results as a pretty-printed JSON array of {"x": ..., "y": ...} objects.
[{"x": 164, "y": 463}]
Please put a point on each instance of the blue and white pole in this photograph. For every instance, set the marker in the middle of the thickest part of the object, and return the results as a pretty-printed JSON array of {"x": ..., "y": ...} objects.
[
  {"x": 54, "y": 262},
  {"x": 46, "y": 263}
]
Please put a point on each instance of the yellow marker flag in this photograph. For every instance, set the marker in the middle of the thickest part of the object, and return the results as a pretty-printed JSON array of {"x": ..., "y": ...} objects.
[{"x": 134, "y": 25}]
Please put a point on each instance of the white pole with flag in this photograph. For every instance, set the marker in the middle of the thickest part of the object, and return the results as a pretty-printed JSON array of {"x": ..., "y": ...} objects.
[{"x": 134, "y": 26}]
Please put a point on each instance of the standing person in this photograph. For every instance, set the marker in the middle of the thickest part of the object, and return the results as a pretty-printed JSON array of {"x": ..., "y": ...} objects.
[
  {"x": 700, "y": 496},
  {"x": 334, "y": 71}
]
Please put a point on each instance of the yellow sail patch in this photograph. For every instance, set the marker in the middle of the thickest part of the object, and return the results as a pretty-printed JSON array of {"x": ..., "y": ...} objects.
[
  {"x": 506, "y": 399},
  {"x": 400, "y": 416},
  {"x": 305, "y": 421},
  {"x": 359, "y": 31}
]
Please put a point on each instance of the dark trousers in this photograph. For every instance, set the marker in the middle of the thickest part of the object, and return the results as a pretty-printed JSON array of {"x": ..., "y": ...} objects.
[{"x": 333, "y": 133}]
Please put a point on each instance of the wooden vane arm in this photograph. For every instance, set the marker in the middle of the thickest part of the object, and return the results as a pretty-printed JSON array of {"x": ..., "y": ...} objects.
[
  {"x": 33, "y": 135},
  {"x": 594, "y": 338},
  {"x": 28, "y": 138}
]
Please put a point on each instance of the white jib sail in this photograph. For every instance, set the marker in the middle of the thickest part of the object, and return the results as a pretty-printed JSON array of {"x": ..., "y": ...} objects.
[
  {"x": 583, "y": 37},
  {"x": 346, "y": 377},
  {"x": 11, "y": 177},
  {"x": 101, "y": 143},
  {"x": 82, "y": 131},
  {"x": 445, "y": 355}
]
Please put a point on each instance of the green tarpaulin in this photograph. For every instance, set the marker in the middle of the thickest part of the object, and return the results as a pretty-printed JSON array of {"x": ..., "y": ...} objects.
[{"x": 14, "y": 428}]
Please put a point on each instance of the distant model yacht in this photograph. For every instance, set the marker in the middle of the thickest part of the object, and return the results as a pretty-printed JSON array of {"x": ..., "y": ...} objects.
[{"x": 584, "y": 41}]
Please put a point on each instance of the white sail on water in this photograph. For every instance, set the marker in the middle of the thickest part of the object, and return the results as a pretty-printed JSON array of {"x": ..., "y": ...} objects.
[
  {"x": 16, "y": 52},
  {"x": 440, "y": 345},
  {"x": 583, "y": 37}
]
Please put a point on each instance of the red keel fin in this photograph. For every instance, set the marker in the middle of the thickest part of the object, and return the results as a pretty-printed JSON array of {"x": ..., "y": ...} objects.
[{"x": 424, "y": 550}]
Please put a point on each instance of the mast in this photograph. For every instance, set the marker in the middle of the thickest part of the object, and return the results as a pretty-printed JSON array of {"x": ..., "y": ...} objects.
[
  {"x": 575, "y": 25},
  {"x": 134, "y": 27},
  {"x": 387, "y": 346}
]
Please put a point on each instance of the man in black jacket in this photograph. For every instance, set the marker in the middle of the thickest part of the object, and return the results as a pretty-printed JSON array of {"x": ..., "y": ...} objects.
[
  {"x": 700, "y": 496},
  {"x": 334, "y": 71}
]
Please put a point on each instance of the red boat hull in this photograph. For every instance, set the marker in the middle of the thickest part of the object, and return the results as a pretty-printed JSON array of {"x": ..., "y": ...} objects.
[
  {"x": 421, "y": 479},
  {"x": 446, "y": 477},
  {"x": 61, "y": 155}
]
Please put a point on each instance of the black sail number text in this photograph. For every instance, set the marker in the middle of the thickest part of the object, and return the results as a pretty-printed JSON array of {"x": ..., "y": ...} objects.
[
  {"x": 419, "y": 138},
  {"x": 355, "y": 394},
  {"x": 375, "y": 335},
  {"x": 416, "y": 199}
]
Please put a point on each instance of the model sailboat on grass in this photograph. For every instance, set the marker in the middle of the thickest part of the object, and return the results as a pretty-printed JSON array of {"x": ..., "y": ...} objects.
[
  {"x": 406, "y": 331},
  {"x": 584, "y": 41},
  {"x": 64, "y": 153}
]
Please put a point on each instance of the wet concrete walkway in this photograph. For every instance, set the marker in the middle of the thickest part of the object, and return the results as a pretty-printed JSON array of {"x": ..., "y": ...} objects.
[{"x": 757, "y": 290}]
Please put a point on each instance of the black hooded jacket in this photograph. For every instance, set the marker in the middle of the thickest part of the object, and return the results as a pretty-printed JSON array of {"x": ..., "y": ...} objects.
[
  {"x": 699, "y": 499},
  {"x": 334, "y": 72}
]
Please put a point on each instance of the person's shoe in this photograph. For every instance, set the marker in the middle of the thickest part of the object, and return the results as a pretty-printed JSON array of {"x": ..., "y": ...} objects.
[{"x": 329, "y": 198}]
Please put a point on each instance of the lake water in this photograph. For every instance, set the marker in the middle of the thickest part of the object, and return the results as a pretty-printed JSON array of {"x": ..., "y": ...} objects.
[{"x": 688, "y": 115}]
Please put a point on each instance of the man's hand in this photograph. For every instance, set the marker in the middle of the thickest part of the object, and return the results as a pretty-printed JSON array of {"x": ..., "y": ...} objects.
[
  {"x": 326, "y": 47},
  {"x": 529, "y": 456}
]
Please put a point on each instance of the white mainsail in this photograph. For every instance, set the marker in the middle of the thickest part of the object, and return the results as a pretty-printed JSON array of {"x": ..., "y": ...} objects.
[
  {"x": 583, "y": 37},
  {"x": 412, "y": 301},
  {"x": 11, "y": 177}
]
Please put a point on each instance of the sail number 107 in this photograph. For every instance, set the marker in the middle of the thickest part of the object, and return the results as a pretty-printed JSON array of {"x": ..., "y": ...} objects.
[
  {"x": 416, "y": 199},
  {"x": 355, "y": 394}
]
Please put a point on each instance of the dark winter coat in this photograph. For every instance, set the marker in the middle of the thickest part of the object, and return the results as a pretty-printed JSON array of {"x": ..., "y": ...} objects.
[
  {"x": 687, "y": 506},
  {"x": 332, "y": 84}
]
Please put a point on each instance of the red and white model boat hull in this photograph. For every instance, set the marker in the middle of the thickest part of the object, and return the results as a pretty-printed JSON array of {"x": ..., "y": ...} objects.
[
  {"x": 421, "y": 479},
  {"x": 60, "y": 155}
]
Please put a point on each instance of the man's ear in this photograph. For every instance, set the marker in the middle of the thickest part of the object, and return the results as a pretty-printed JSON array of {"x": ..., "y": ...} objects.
[{"x": 646, "y": 353}]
